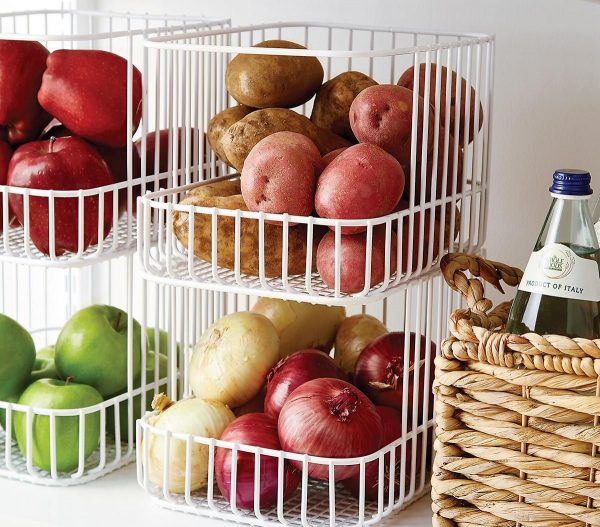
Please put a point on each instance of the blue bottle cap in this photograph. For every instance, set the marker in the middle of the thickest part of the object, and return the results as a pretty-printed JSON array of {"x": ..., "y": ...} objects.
[{"x": 571, "y": 182}]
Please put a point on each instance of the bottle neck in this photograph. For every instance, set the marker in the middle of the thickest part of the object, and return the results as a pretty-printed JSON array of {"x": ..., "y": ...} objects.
[{"x": 569, "y": 222}]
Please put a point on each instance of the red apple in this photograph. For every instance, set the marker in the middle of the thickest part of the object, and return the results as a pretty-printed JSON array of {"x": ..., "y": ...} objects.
[
  {"x": 66, "y": 163},
  {"x": 86, "y": 90},
  {"x": 115, "y": 158},
  {"x": 5, "y": 155},
  {"x": 22, "y": 64},
  {"x": 379, "y": 372},
  {"x": 163, "y": 150}
]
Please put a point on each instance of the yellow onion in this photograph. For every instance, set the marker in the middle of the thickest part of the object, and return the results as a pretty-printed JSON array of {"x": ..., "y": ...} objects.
[
  {"x": 189, "y": 416},
  {"x": 301, "y": 325},
  {"x": 353, "y": 336},
  {"x": 232, "y": 358}
]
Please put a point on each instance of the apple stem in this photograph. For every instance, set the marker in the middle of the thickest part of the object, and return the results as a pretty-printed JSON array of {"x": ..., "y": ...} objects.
[
  {"x": 68, "y": 381},
  {"x": 52, "y": 139},
  {"x": 161, "y": 402},
  {"x": 118, "y": 321}
]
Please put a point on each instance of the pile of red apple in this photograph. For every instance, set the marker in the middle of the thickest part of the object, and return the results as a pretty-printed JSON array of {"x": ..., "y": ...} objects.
[{"x": 63, "y": 127}]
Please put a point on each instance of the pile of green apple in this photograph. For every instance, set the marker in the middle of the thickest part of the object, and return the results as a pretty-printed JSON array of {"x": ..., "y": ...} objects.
[{"x": 86, "y": 366}]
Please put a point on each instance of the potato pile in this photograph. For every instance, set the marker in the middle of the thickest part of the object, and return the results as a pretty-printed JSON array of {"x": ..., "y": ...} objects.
[{"x": 350, "y": 160}]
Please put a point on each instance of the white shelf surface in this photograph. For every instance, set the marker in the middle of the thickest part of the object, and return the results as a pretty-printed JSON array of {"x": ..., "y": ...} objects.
[{"x": 117, "y": 500}]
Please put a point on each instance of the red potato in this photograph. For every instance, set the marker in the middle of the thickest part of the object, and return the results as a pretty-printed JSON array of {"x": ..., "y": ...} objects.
[
  {"x": 442, "y": 155},
  {"x": 279, "y": 175},
  {"x": 5, "y": 155},
  {"x": 353, "y": 251},
  {"x": 329, "y": 157},
  {"x": 407, "y": 80},
  {"x": 363, "y": 181},
  {"x": 382, "y": 115}
]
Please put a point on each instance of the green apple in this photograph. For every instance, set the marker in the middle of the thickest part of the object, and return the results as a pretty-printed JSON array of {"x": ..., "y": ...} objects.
[
  {"x": 163, "y": 371},
  {"x": 53, "y": 393},
  {"x": 92, "y": 349},
  {"x": 44, "y": 367},
  {"x": 17, "y": 354},
  {"x": 163, "y": 342}
]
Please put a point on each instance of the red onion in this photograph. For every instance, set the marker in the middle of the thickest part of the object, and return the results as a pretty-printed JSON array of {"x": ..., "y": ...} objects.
[
  {"x": 259, "y": 430},
  {"x": 293, "y": 371},
  {"x": 329, "y": 418},
  {"x": 379, "y": 372},
  {"x": 392, "y": 430}
]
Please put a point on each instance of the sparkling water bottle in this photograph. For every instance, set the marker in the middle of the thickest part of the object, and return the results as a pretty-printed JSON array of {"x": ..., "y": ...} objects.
[{"x": 560, "y": 288}]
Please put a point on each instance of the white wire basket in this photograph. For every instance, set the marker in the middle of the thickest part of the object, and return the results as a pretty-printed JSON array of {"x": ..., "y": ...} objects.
[
  {"x": 42, "y": 291},
  {"x": 420, "y": 307},
  {"x": 105, "y": 214},
  {"x": 42, "y": 300},
  {"x": 280, "y": 260}
]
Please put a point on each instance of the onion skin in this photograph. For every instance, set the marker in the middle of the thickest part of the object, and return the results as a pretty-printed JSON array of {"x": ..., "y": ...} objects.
[
  {"x": 253, "y": 405},
  {"x": 392, "y": 430},
  {"x": 329, "y": 418},
  {"x": 188, "y": 416},
  {"x": 260, "y": 430},
  {"x": 243, "y": 345},
  {"x": 293, "y": 371},
  {"x": 354, "y": 335},
  {"x": 301, "y": 325},
  {"x": 379, "y": 373}
]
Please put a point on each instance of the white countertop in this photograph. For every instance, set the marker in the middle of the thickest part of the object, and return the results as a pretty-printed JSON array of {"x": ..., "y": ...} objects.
[{"x": 117, "y": 500}]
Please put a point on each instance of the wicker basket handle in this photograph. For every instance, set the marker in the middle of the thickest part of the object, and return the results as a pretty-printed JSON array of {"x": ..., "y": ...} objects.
[{"x": 453, "y": 266}]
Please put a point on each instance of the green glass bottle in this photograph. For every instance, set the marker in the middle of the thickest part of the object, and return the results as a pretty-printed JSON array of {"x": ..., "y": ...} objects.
[{"x": 560, "y": 289}]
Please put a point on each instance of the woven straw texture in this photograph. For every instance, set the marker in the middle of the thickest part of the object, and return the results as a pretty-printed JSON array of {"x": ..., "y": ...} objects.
[{"x": 517, "y": 416}]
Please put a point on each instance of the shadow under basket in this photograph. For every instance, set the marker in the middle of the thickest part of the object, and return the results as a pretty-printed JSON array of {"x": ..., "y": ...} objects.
[{"x": 517, "y": 416}]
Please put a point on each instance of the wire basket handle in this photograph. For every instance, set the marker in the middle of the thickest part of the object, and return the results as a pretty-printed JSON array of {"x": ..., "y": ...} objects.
[{"x": 453, "y": 266}]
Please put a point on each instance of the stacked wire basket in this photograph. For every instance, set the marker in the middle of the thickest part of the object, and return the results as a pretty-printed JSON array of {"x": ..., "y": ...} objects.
[
  {"x": 183, "y": 61},
  {"x": 42, "y": 291},
  {"x": 186, "y": 85}
]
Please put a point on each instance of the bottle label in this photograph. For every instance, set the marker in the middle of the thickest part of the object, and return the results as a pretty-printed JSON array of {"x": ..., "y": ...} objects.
[{"x": 556, "y": 270}]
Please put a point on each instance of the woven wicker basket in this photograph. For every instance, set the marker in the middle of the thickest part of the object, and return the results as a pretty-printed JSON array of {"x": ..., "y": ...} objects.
[{"x": 517, "y": 416}]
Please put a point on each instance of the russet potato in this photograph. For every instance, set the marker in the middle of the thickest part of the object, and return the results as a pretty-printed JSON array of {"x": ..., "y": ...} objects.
[
  {"x": 266, "y": 81},
  {"x": 242, "y": 136},
  {"x": 332, "y": 103},
  {"x": 227, "y": 195},
  {"x": 219, "y": 124}
]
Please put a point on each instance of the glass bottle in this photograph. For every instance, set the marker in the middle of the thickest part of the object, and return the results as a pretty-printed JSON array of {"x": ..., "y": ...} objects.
[{"x": 560, "y": 289}]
